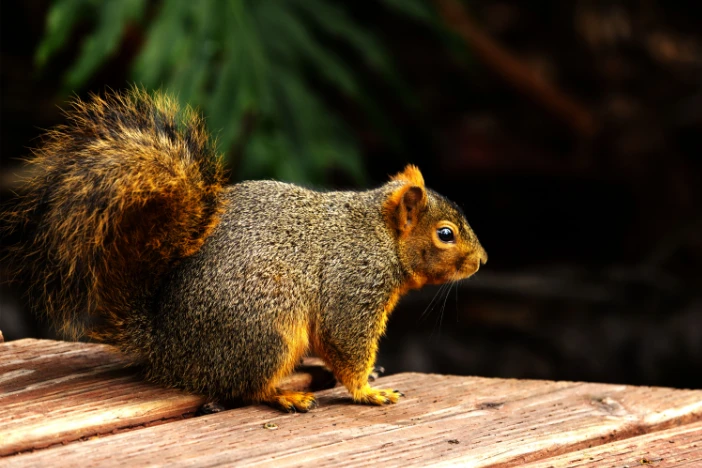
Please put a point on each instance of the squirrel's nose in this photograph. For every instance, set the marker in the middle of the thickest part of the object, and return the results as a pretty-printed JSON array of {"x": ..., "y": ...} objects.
[{"x": 483, "y": 256}]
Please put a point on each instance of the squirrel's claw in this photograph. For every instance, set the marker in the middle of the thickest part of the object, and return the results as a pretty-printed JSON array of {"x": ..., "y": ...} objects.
[
  {"x": 375, "y": 373},
  {"x": 210, "y": 407},
  {"x": 292, "y": 402},
  {"x": 374, "y": 396}
]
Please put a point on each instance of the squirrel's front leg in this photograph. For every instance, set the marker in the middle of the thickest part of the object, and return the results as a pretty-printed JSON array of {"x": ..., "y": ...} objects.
[
  {"x": 357, "y": 384},
  {"x": 350, "y": 353}
]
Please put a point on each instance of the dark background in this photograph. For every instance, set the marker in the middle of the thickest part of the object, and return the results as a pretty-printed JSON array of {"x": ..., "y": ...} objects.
[{"x": 570, "y": 133}]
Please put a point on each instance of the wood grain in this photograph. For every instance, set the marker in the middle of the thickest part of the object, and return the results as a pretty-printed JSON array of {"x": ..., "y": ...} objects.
[
  {"x": 677, "y": 447},
  {"x": 55, "y": 392},
  {"x": 443, "y": 420}
]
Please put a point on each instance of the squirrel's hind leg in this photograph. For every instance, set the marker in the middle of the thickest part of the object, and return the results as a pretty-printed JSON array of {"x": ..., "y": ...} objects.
[
  {"x": 291, "y": 402},
  {"x": 296, "y": 339}
]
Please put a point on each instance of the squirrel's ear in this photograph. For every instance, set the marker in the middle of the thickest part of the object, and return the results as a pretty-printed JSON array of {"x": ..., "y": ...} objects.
[
  {"x": 404, "y": 206},
  {"x": 411, "y": 175}
]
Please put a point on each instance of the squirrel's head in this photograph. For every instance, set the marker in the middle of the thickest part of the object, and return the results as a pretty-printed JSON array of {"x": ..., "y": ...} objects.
[{"x": 436, "y": 244}]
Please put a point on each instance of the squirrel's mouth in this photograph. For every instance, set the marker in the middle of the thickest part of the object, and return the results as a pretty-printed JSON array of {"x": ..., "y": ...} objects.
[
  {"x": 470, "y": 265},
  {"x": 472, "y": 262},
  {"x": 469, "y": 269}
]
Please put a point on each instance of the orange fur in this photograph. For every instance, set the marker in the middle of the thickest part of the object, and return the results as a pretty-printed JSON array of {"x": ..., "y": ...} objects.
[
  {"x": 296, "y": 339},
  {"x": 411, "y": 174},
  {"x": 292, "y": 402},
  {"x": 402, "y": 208}
]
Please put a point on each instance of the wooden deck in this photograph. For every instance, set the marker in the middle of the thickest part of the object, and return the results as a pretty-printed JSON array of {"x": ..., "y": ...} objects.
[{"x": 73, "y": 404}]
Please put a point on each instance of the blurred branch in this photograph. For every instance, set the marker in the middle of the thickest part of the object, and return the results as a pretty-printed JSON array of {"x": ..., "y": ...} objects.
[
  {"x": 570, "y": 285},
  {"x": 614, "y": 284},
  {"x": 513, "y": 71},
  {"x": 672, "y": 243}
]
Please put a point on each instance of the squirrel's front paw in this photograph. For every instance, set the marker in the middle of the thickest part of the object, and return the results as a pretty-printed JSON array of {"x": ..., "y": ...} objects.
[
  {"x": 292, "y": 402},
  {"x": 376, "y": 396}
]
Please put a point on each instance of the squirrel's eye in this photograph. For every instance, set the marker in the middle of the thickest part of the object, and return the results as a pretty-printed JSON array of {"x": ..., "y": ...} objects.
[{"x": 445, "y": 234}]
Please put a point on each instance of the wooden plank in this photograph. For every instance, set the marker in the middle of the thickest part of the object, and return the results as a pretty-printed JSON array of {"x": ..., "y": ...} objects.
[
  {"x": 53, "y": 392},
  {"x": 677, "y": 447},
  {"x": 443, "y": 420}
]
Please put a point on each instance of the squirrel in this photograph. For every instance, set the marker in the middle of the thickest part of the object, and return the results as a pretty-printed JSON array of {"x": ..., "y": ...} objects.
[{"x": 134, "y": 240}]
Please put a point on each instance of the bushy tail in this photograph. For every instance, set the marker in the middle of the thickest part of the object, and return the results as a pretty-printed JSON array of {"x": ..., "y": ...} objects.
[{"x": 126, "y": 189}]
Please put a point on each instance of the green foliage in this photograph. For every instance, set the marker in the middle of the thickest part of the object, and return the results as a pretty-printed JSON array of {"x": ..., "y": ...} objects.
[
  {"x": 417, "y": 9},
  {"x": 247, "y": 64}
]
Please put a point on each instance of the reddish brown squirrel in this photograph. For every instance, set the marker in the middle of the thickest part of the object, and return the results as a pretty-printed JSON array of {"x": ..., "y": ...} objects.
[{"x": 134, "y": 240}]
